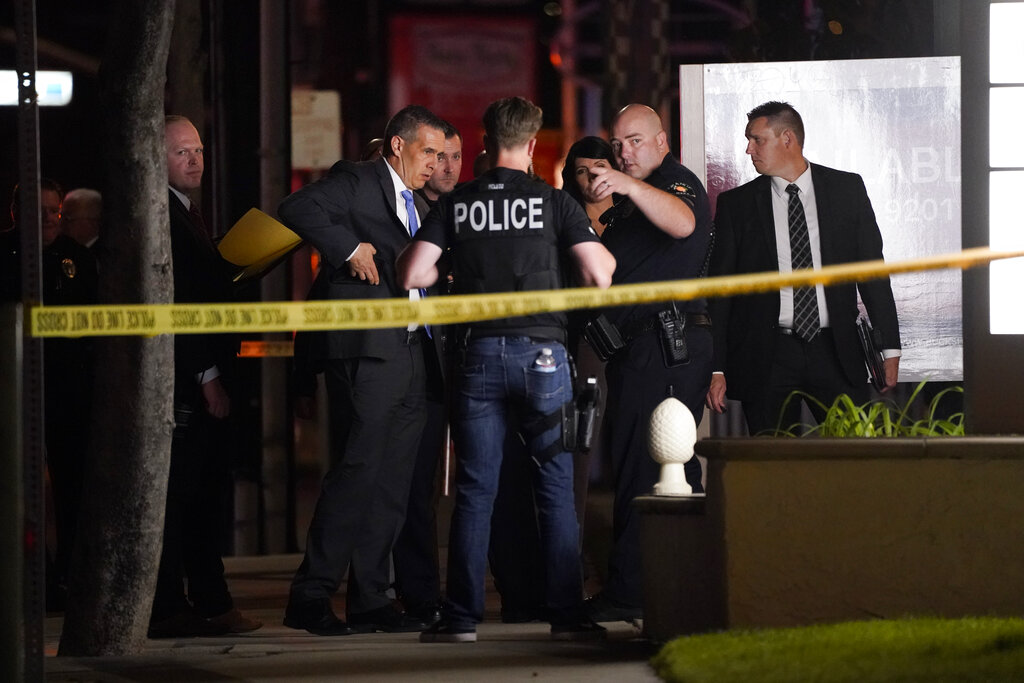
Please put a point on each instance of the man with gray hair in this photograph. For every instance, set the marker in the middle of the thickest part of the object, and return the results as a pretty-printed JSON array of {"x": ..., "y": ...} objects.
[
  {"x": 415, "y": 554},
  {"x": 359, "y": 216},
  {"x": 81, "y": 215}
]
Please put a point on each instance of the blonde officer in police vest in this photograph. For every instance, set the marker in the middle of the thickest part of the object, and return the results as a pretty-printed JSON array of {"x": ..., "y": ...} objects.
[{"x": 507, "y": 232}]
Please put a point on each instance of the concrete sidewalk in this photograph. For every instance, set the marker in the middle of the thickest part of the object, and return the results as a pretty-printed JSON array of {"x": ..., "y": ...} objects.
[{"x": 504, "y": 652}]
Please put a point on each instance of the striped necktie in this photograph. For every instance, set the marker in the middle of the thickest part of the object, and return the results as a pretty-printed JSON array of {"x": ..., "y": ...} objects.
[{"x": 806, "y": 323}]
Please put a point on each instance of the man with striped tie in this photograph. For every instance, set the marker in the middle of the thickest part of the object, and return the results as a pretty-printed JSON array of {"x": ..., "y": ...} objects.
[{"x": 794, "y": 215}]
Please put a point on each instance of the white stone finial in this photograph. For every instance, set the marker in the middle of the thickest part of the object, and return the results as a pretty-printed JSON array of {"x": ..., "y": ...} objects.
[{"x": 670, "y": 440}]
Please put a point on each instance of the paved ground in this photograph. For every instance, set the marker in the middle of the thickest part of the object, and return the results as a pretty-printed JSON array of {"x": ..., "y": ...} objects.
[{"x": 504, "y": 652}]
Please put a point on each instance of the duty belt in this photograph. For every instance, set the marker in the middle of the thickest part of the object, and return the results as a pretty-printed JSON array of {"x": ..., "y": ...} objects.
[
  {"x": 537, "y": 332},
  {"x": 637, "y": 328}
]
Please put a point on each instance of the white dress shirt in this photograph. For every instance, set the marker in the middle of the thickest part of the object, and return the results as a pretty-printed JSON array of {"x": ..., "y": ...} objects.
[
  {"x": 780, "y": 213},
  {"x": 403, "y": 215}
]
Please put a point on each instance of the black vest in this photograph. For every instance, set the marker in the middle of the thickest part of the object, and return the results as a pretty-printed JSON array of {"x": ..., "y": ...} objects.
[{"x": 504, "y": 239}]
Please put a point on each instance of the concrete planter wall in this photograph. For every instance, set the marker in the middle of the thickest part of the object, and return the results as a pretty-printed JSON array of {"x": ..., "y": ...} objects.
[{"x": 802, "y": 531}]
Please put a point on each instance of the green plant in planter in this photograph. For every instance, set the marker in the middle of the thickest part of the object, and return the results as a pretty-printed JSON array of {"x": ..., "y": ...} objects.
[
  {"x": 875, "y": 418},
  {"x": 879, "y": 651}
]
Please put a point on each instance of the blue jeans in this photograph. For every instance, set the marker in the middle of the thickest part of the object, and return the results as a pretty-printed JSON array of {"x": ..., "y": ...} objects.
[{"x": 498, "y": 381}]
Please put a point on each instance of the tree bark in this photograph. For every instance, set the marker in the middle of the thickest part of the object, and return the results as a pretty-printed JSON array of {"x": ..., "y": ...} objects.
[{"x": 121, "y": 520}]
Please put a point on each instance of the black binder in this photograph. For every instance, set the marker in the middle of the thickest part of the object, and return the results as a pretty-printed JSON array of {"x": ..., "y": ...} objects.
[{"x": 871, "y": 346}]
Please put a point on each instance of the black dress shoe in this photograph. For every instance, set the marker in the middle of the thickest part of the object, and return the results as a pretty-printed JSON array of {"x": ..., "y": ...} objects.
[
  {"x": 317, "y": 617},
  {"x": 581, "y": 629},
  {"x": 427, "y": 612},
  {"x": 446, "y": 632},
  {"x": 601, "y": 607},
  {"x": 386, "y": 619}
]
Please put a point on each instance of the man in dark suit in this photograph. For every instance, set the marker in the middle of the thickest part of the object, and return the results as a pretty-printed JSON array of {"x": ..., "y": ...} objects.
[
  {"x": 415, "y": 553},
  {"x": 769, "y": 345},
  {"x": 195, "y": 486},
  {"x": 359, "y": 217}
]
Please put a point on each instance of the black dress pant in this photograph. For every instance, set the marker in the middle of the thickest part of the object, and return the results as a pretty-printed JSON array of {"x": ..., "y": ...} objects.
[
  {"x": 812, "y": 367},
  {"x": 417, "y": 569},
  {"x": 378, "y": 409},
  {"x": 196, "y": 488},
  {"x": 67, "y": 392},
  {"x": 637, "y": 382}
]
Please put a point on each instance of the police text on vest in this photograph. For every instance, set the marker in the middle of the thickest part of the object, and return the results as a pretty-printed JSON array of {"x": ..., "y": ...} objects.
[{"x": 500, "y": 214}]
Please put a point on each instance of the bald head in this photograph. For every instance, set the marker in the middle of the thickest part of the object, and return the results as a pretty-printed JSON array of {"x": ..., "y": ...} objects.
[
  {"x": 639, "y": 140},
  {"x": 184, "y": 154},
  {"x": 638, "y": 114}
]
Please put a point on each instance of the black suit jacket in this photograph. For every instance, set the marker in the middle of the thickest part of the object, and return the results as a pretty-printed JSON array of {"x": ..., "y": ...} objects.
[
  {"x": 744, "y": 326},
  {"x": 353, "y": 203},
  {"x": 200, "y": 276}
]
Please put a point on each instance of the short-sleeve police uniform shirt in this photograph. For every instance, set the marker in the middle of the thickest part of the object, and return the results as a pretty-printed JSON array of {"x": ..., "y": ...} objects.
[{"x": 644, "y": 253}]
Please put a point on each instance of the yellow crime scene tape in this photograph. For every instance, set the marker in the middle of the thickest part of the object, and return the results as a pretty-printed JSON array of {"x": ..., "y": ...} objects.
[{"x": 154, "y": 319}]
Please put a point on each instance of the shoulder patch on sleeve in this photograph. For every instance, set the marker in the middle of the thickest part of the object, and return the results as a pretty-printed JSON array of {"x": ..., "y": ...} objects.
[{"x": 683, "y": 191}]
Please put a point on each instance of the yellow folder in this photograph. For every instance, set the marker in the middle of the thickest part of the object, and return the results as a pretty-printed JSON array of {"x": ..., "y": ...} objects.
[{"x": 256, "y": 243}]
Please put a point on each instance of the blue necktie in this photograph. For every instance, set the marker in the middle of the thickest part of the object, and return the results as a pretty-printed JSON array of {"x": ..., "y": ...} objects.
[
  {"x": 414, "y": 225},
  {"x": 410, "y": 208}
]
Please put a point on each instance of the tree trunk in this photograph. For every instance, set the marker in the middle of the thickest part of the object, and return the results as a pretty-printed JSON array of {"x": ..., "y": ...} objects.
[{"x": 121, "y": 520}]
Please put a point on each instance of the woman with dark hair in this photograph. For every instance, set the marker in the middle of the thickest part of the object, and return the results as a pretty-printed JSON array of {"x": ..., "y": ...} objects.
[{"x": 585, "y": 154}]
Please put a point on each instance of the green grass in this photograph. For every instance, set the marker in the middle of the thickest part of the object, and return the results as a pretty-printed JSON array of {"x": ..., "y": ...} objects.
[
  {"x": 844, "y": 418},
  {"x": 882, "y": 651}
]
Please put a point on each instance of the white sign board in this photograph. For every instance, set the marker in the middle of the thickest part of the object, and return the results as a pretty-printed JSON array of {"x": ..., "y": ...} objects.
[{"x": 896, "y": 122}]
